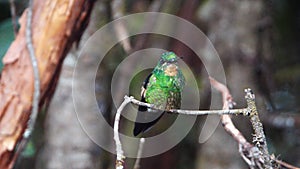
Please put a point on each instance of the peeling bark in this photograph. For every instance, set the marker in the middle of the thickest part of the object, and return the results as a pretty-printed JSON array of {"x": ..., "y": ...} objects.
[{"x": 56, "y": 25}]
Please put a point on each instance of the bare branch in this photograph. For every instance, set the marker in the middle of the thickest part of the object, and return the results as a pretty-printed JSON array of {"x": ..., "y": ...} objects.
[
  {"x": 286, "y": 165},
  {"x": 36, "y": 94},
  {"x": 210, "y": 112},
  {"x": 225, "y": 119},
  {"x": 34, "y": 62},
  {"x": 139, "y": 154},
  {"x": 245, "y": 148},
  {"x": 120, "y": 152},
  {"x": 189, "y": 112}
]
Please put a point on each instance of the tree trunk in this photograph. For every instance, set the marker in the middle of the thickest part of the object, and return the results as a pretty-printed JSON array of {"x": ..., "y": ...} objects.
[{"x": 56, "y": 24}]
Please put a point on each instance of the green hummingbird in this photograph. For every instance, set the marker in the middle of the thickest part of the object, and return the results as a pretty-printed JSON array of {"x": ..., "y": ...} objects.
[{"x": 163, "y": 88}]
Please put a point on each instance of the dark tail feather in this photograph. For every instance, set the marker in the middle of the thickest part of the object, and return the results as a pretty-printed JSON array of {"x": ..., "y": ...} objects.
[{"x": 142, "y": 127}]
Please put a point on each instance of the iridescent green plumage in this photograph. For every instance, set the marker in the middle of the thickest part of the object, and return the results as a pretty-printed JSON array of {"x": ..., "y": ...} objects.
[{"x": 162, "y": 88}]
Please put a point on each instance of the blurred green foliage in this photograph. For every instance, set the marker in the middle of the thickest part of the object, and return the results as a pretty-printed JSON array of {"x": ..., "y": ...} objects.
[
  {"x": 6, "y": 37},
  {"x": 29, "y": 150}
]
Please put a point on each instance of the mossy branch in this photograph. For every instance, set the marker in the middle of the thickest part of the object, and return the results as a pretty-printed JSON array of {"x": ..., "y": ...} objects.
[{"x": 259, "y": 138}]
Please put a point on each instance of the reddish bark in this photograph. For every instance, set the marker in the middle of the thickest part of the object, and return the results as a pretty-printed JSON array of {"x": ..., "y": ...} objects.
[{"x": 56, "y": 24}]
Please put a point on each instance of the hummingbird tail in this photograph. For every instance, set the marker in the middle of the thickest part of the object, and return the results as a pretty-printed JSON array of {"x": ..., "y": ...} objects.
[{"x": 143, "y": 127}]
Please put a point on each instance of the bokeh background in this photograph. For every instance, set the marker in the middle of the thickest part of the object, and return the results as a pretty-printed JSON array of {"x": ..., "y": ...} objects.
[{"x": 259, "y": 45}]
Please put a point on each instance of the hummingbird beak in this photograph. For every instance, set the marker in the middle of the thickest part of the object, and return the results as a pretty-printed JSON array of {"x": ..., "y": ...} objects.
[{"x": 180, "y": 57}]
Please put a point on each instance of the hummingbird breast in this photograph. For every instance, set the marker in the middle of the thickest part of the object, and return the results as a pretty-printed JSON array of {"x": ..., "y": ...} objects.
[
  {"x": 164, "y": 98},
  {"x": 165, "y": 86},
  {"x": 171, "y": 70}
]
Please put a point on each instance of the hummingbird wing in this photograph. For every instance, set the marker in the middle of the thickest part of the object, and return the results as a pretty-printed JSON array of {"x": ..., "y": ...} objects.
[
  {"x": 143, "y": 93},
  {"x": 145, "y": 120}
]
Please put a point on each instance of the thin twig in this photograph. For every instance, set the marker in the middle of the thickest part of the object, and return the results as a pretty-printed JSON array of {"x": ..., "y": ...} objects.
[
  {"x": 249, "y": 153},
  {"x": 34, "y": 62},
  {"x": 286, "y": 165},
  {"x": 210, "y": 112},
  {"x": 225, "y": 119},
  {"x": 139, "y": 154},
  {"x": 13, "y": 16},
  {"x": 120, "y": 152},
  {"x": 36, "y": 94},
  {"x": 189, "y": 112},
  {"x": 248, "y": 161},
  {"x": 244, "y": 146}
]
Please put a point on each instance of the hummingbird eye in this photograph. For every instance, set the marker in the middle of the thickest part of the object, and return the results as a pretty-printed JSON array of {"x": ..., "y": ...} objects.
[
  {"x": 161, "y": 61},
  {"x": 171, "y": 61}
]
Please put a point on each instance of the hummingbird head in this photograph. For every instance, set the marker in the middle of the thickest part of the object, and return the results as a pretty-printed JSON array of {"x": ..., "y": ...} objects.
[
  {"x": 169, "y": 57},
  {"x": 168, "y": 64}
]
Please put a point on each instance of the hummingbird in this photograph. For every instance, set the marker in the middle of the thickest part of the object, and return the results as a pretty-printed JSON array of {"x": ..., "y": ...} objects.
[{"x": 162, "y": 88}]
